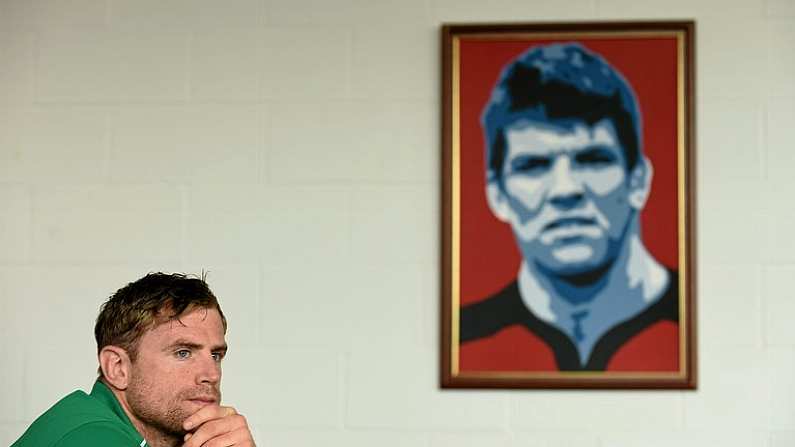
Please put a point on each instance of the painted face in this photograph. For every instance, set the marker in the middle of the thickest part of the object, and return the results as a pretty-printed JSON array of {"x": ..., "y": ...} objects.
[
  {"x": 177, "y": 370},
  {"x": 565, "y": 194}
]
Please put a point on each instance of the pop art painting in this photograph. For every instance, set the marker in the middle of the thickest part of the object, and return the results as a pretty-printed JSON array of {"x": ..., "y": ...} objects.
[{"x": 568, "y": 199}]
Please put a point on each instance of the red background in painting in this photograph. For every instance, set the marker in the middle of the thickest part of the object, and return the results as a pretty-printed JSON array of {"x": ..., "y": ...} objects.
[{"x": 489, "y": 257}]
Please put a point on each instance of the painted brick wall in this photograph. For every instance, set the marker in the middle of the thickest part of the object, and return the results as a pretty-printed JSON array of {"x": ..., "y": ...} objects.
[{"x": 291, "y": 148}]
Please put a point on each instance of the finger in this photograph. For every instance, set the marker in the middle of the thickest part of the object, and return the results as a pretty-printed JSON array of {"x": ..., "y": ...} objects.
[
  {"x": 215, "y": 428},
  {"x": 238, "y": 438},
  {"x": 205, "y": 432},
  {"x": 213, "y": 432},
  {"x": 207, "y": 413}
]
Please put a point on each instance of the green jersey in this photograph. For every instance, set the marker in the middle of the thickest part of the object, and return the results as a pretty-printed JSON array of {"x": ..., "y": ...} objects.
[{"x": 83, "y": 420}]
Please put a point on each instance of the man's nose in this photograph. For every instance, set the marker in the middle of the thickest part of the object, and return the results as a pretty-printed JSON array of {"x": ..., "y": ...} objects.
[
  {"x": 565, "y": 190},
  {"x": 209, "y": 371}
]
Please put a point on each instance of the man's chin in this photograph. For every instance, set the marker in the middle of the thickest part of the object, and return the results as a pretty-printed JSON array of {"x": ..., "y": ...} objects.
[
  {"x": 170, "y": 424},
  {"x": 190, "y": 407}
]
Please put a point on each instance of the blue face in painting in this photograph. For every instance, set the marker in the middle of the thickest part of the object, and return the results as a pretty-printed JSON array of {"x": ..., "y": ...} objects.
[{"x": 566, "y": 193}]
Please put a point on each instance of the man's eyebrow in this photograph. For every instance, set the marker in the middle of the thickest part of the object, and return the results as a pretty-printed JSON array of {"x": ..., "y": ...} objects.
[{"x": 183, "y": 343}]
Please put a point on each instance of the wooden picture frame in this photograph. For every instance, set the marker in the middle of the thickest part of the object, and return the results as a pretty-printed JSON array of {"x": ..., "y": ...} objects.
[{"x": 568, "y": 199}]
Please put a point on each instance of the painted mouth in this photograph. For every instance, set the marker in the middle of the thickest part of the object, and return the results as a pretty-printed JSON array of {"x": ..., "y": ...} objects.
[{"x": 569, "y": 222}]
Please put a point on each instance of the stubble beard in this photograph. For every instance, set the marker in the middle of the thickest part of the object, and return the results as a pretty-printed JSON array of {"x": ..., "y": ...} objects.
[{"x": 161, "y": 418}]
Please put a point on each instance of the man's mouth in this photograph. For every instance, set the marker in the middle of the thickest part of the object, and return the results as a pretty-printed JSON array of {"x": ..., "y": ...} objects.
[
  {"x": 204, "y": 399},
  {"x": 202, "y": 402}
]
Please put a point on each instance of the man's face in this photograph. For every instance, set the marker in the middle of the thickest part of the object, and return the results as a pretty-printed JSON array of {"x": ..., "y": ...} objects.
[
  {"x": 565, "y": 194},
  {"x": 177, "y": 370}
]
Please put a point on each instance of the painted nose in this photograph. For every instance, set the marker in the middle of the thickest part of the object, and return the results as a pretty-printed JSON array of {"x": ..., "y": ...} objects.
[{"x": 565, "y": 190}]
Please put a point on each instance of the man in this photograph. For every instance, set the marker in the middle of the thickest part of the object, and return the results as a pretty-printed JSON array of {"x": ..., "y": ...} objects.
[
  {"x": 565, "y": 169},
  {"x": 160, "y": 343}
]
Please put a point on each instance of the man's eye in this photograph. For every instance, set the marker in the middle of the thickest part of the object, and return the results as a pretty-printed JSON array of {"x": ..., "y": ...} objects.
[
  {"x": 530, "y": 165},
  {"x": 218, "y": 356},
  {"x": 182, "y": 354},
  {"x": 596, "y": 157}
]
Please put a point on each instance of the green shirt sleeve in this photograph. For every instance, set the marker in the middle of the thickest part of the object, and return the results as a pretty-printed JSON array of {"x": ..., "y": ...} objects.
[{"x": 97, "y": 434}]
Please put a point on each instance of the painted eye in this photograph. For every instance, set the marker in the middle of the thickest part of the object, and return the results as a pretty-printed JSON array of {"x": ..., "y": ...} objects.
[
  {"x": 530, "y": 165},
  {"x": 596, "y": 157},
  {"x": 182, "y": 354}
]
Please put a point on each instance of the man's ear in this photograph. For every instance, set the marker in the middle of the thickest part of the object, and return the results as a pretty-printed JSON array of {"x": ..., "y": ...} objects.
[
  {"x": 115, "y": 364},
  {"x": 498, "y": 203},
  {"x": 640, "y": 183}
]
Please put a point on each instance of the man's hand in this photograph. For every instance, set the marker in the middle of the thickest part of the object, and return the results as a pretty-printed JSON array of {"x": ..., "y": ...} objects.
[{"x": 216, "y": 426}]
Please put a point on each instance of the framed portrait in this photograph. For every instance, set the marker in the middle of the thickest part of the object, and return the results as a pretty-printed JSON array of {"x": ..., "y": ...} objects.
[{"x": 568, "y": 245}]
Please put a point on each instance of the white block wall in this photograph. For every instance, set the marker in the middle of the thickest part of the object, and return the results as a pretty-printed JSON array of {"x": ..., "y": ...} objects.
[{"x": 291, "y": 148}]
